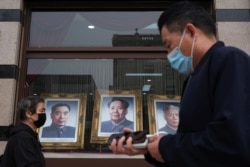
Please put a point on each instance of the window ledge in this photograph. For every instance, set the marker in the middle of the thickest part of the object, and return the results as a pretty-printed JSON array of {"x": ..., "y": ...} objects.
[{"x": 90, "y": 155}]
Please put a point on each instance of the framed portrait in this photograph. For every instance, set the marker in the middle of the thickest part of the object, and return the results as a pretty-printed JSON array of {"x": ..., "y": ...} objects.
[
  {"x": 157, "y": 105},
  {"x": 64, "y": 126},
  {"x": 114, "y": 110}
]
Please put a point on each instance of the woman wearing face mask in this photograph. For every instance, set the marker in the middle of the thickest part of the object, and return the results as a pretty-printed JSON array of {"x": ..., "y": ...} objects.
[{"x": 23, "y": 148}]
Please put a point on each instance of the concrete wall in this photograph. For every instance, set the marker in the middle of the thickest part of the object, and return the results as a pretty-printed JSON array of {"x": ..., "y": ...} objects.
[
  {"x": 10, "y": 28},
  {"x": 233, "y": 21}
]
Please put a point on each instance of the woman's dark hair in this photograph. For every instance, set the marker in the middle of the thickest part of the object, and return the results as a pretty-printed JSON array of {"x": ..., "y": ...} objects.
[
  {"x": 28, "y": 104},
  {"x": 178, "y": 15}
]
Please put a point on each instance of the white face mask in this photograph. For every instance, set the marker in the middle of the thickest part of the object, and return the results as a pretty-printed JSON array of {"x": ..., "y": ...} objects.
[{"x": 183, "y": 64}]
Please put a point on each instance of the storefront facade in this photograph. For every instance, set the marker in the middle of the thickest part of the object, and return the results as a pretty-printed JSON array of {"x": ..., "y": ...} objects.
[{"x": 47, "y": 50}]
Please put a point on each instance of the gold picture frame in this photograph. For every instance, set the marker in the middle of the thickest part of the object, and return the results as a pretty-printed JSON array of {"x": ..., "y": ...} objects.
[
  {"x": 72, "y": 140},
  {"x": 101, "y": 113},
  {"x": 156, "y": 104}
]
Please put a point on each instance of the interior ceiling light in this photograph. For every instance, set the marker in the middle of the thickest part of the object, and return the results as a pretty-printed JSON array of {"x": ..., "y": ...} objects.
[
  {"x": 91, "y": 26},
  {"x": 143, "y": 74}
]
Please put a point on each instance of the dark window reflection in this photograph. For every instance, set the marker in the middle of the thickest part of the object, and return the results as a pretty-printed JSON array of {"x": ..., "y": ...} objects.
[{"x": 92, "y": 29}]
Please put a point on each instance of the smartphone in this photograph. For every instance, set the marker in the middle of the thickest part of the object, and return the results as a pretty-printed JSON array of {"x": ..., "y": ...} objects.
[{"x": 137, "y": 137}]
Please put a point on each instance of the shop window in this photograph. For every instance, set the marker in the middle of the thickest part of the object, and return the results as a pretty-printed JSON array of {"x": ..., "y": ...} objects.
[
  {"x": 88, "y": 56},
  {"x": 62, "y": 78}
]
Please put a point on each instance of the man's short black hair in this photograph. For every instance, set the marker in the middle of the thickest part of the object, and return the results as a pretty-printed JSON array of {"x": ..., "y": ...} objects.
[
  {"x": 181, "y": 13},
  {"x": 53, "y": 109},
  {"x": 124, "y": 102}
]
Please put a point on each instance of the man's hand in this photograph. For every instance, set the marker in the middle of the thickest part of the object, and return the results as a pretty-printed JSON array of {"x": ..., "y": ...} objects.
[
  {"x": 118, "y": 147},
  {"x": 153, "y": 147}
]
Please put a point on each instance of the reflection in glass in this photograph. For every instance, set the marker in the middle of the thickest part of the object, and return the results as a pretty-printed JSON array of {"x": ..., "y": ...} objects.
[
  {"x": 70, "y": 76},
  {"x": 86, "y": 75},
  {"x": 71, "y": 29}
]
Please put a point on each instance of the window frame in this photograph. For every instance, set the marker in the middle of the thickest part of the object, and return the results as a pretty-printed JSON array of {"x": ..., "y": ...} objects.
[{"x": 87, "y": 52}]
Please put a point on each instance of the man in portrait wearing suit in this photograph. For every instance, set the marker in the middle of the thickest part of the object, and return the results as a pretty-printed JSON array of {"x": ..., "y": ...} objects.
[
  {"x": 58, "y": 128},
  {"x": 118, "y": 109},
  {"x": 171, "y": 115}
]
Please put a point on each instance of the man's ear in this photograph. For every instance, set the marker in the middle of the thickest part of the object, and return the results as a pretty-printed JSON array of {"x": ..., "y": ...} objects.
[
  {"x": 165, "y": 116},
  {"x": 28, "y": 113},
  {"x": 191, "y": 29}
]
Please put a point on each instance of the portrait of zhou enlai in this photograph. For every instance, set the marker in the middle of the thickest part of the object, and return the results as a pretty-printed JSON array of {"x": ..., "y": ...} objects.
[{"x": 59, "y": 128}]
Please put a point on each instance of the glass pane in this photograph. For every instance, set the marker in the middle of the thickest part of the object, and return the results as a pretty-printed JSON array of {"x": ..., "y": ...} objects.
[
  {"x": 86, "y": 75},
  {"x": 76, "y": 76},
  {"x": 94, "y": 29}
]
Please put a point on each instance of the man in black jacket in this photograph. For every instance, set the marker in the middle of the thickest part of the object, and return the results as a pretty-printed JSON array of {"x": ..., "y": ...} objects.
[{"x": 214, "y": 127}]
